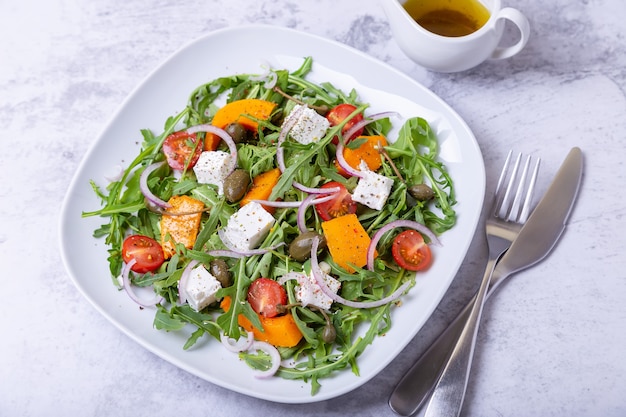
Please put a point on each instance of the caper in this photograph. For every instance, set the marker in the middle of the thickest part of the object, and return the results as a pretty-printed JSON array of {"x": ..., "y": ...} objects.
[
  {"x": 236, "y": 185},
  {"x": 329, "y": 333},
  {"x": 421, "y": 192},
  {"x": 277, "y": 117},
  {"x": 219, "y": 269},
  {"x": 321, "y": 110},
  {"x": 237, "y": 132},
  {"x": 300, "y": 247}
]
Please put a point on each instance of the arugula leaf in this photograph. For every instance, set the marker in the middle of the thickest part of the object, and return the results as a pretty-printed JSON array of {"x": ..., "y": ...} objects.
[{"x": 415, "y": 154}]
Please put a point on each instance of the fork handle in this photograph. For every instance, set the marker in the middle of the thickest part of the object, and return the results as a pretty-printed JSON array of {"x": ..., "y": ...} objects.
[
  {"x": 447, "y": 398},
  {"x": 419, "y": 381}
]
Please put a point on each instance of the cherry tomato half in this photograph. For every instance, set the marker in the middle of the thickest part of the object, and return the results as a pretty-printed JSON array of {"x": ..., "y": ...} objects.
[
  {"x": 338, "y": 114},
  {"x": 264, "y": 295},
  {"x": 181, "y": 149},
  {"x": 410, "y": 251},
  {"x": 146, "y": 251},
  {"x": 338, "y": 206}
]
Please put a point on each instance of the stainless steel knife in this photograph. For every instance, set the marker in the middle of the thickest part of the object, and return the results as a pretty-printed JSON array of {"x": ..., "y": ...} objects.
[
  {"x": 534, "y": 242},
  {"x": 547, "y": 222}
]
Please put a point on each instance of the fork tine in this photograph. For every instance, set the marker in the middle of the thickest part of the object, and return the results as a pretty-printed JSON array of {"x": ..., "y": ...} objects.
[
  {"x": 529, "y": 194},
  {"x": 502, "y": 211},
  {"x": 503, "y": 173},
  {"x": 515, "y": 207}
]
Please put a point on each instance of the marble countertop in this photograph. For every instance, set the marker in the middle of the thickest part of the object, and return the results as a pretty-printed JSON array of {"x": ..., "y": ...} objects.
[{"x": 551, "y": 341}]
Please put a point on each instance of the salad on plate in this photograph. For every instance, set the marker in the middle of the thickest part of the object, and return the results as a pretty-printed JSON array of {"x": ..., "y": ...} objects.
[{"x": 278, "y": 217}]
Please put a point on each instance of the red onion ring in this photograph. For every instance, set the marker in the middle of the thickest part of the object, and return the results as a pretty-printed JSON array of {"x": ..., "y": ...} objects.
[
  {"x": 274, "y": 355},
  {"x": 392, "y": 225},
  {"x": 295, "y": 204},
  {"x": 298, "y": 276},
  {"x": 346, "y": 138},
  {"x": 310, "y": 190},
  {"x": 365, "y": 122},
  {"x": 143, "y": 186},
  {"x": 343, "y": 163},
  {"x": 269, "y": 77},
  {"x": 278, "y": 204},
  {"x": 238, "y": 345},
  {"x": 182, "y": 283},
  {"x": 114, "y": 174},
  {"x": 225, "y": 254},
  {"x": 128, "y": 287},
  {"x": 311, "y": 200},
  {"x": 232, "y": 146},
  {"x": 270, "y": 80},
  {"x": 319, "y": 278}
]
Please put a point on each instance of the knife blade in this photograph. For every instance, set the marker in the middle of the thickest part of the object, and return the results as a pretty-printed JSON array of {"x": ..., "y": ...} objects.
[
  {"x": 542, "y": 230},
  {"x": 547, "y": 222}
]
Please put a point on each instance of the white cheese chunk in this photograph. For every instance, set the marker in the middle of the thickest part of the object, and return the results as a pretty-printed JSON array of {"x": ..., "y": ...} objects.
[
  {"x": 309, "y": 127},
  {"x": 308, "y": 292},
  {"x": 212, "y": 168},
  {"x": 247, "y": 228},
  {"x": 200, "y": 288},
  {"x": 373, "y": 189}
]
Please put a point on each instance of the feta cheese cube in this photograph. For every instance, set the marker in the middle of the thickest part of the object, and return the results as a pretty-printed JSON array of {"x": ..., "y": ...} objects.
[
  {"x": 308, "y": 292},
  {"x": 373, "y": 189},
  {"x": 309, "y": 126},
  {"x": 200, "y": 288},
  {"x": 212, "y": 168},
  {"x": 247, "y": 228}
]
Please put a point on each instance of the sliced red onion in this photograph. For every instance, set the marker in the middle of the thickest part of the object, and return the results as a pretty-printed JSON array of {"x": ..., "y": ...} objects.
[
  {"x": 143, "y": 186},
  {"x": 129, "y": 290},
  {"x": 278, "y": 204},
  {"x": 268, "y": 76},
  {"x": 295, "y": 204},
  {"x": 310, "y": 190},
  {"x": 182, "y": 283},
  {"x": 225, "y": 254},
  {"x": 251, "y": 252},
  {"x": 319, "y": 279},
  {"x": 344, "y": 164},
  {"x": 271, "y": 82},
  {"x": 114, "y": 174},
  {"x": 299, "y": 277},
  {"x": 274, "y": 356},
  {"x": 311, "y": 200},
  {"x": 232, "y": 146},
  {"x": 346, "y": 138},
  {"x": 366, "y": 121},
  {"x": 392, "y": 225},
  {"x": 238, "y": 345}
]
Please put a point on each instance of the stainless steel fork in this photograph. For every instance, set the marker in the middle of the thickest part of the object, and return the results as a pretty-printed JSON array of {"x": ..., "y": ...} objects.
[
  {"x": 509, "y": 213},
  {"x": 419, "y": 381}
]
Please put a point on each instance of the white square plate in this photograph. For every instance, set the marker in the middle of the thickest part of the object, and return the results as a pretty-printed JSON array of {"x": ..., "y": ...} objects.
[{"x": 165, "y": 92}]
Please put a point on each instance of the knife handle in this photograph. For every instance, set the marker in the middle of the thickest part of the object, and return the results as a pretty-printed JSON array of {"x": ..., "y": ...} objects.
[{"x": 416, "y": 385}]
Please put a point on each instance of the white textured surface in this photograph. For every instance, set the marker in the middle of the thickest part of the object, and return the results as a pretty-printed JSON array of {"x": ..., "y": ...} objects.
[{"x": 552, "y": 339}]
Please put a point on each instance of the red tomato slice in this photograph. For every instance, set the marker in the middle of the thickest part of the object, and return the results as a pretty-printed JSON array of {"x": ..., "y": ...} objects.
[
  {"x": 179, "y": 150},
  {"x": 340, "y": 205},
  {"x": 338, "y": 114},
  {"x": 146, "y": 251},
  {"x": 410, "y": 251},
  {"x": 264, "y": 295}
]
